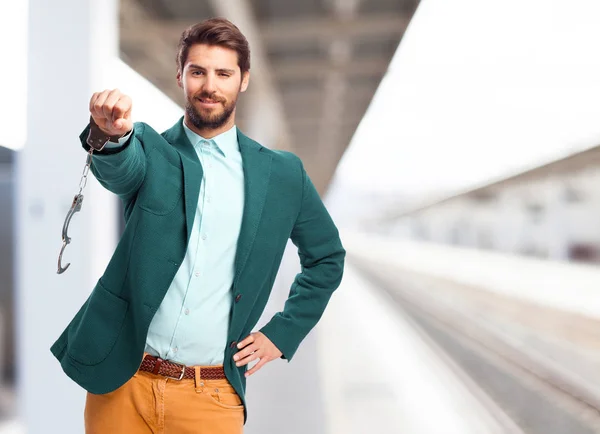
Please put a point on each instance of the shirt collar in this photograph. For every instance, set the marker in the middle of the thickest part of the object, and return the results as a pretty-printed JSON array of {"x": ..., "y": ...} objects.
[{"x": 225, "y": 142}]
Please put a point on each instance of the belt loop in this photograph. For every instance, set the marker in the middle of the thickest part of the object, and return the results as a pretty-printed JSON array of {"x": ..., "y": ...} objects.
[
  {"x": 157, "y": 364},
  {"x": 198, "y": 379}
]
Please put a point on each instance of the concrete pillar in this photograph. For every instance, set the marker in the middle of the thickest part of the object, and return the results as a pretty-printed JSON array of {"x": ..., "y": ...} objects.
[
  {"x": 70, "y": 45},
  {"x": 265, "y": 120}
]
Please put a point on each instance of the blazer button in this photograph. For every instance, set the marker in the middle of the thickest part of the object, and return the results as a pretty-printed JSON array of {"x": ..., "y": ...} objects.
[
  {"x": 237, "y": 298},
  {"x": 233, "y": 344}
]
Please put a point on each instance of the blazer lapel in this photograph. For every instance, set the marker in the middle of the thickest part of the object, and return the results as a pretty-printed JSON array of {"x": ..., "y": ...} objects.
[
  {"x": 192, "y": 171},
  {"x": 257, "y": 171}
]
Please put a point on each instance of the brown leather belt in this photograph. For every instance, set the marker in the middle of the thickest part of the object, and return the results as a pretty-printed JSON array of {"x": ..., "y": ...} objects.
[{"x": 177, "y": 371}]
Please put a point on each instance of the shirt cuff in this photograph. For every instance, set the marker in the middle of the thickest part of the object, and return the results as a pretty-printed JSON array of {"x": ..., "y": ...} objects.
[{"x": 121, "y": 142}]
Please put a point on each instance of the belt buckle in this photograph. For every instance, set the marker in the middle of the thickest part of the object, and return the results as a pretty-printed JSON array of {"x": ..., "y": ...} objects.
[{"x": 182, "y": 371}]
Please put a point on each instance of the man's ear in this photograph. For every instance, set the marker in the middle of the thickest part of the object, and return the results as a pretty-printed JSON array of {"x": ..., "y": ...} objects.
[
  {"x": 179, "y": 83},
  {"x": 245, "y": 81}
]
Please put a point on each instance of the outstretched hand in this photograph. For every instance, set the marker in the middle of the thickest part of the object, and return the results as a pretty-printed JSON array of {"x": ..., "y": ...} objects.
[{"x": 111, "y": 110}]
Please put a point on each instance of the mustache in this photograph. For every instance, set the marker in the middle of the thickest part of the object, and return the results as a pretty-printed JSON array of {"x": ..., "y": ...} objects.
[{"x": 212, "y": 97}]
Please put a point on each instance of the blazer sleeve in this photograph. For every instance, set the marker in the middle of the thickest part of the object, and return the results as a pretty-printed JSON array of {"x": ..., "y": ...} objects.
[
  {"x": 322, "y": 262},
  {"x": 122, "y": 169}
]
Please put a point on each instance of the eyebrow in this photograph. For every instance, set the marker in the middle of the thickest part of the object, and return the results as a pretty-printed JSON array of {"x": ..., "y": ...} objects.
[{"x": 194, "y": 66}]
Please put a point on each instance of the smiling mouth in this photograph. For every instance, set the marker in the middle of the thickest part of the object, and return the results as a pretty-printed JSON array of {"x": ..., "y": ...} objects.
[{"x": 208, "y": 101}]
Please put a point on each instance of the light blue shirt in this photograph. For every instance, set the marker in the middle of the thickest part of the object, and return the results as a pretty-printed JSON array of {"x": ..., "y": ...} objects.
[{"x": 191, "y": 324}]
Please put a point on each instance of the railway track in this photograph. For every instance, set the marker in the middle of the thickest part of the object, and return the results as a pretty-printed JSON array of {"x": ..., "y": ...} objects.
[{"x": 527, "y": 390}]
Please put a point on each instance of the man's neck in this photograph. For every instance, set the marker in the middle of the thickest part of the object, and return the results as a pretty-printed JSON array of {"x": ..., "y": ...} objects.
[{"x": 209, "y": 133}]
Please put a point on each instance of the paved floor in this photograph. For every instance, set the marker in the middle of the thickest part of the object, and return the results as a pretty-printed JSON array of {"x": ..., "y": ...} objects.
[{"x": 380, "y": 376}]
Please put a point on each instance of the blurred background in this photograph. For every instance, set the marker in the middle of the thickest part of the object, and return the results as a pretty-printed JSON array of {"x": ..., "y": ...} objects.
[{"x": 456, "y": 145}]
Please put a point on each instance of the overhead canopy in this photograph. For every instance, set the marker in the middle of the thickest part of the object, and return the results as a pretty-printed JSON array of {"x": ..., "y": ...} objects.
[{"x": 315, "y": 64}]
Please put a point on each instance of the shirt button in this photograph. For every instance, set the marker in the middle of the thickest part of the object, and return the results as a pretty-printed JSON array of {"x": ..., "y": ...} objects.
[
  {"x": 237, "y": 298},
  {"x": 203, "y": 236},
  {"x": 175, "y": 349},
  {"x": 208, "y": 199},
  {"x": 197, "y": 274},
  {"x": 233, "y": 344},
  {"x": 187, "y": 311}
]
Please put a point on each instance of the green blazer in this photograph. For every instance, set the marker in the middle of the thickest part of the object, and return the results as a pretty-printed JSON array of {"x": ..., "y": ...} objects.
[{"x": 157, "y": 177}]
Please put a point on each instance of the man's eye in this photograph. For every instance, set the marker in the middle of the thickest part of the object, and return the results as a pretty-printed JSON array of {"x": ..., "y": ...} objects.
[
  {"x": 196, "y": 72},
  {"x": 224, "y": 75}
]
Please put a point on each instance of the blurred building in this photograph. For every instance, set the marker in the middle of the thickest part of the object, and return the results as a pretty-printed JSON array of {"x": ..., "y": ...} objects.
[{"x": 548, "y": 212}]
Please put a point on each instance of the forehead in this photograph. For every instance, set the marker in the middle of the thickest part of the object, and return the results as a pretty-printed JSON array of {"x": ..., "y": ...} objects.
[{"x": 212, "y": 56}]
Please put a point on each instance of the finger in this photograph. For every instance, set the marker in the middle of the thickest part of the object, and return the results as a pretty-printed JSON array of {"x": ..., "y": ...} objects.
[
  {"x": 256, "y": 367},
  {"x": 122, "y": 107},
  {"x": 248, "y": 359},
  {"x": 247, "y": 341},
  {"x": 245, "y": 352},
  {"x": 93, "y": 101},
  {"x": 99, "y": 104},
  {"x": 126, "y": 125},
  {"x": 126, "y": 121},
  {"x": 109, "y": 104},
  {"x": 127, "y": 114},
  {"x": 118, "y": 124}
]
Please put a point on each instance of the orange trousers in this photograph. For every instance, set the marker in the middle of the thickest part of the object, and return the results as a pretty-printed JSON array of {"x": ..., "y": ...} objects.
[{"x": 153, "y": 404}]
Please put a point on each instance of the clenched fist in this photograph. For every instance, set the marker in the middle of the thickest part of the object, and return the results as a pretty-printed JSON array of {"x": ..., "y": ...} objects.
[{"x": 111, "y": 110}]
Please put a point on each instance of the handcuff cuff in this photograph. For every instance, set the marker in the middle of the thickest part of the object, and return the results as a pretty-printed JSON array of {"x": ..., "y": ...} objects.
[{"x": 97, "y": 140}]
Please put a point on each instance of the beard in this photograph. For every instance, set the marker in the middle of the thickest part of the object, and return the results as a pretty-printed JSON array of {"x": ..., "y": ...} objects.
[{"x": 207, "y": 120}]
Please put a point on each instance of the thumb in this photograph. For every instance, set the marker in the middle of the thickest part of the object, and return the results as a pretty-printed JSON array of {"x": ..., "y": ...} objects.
[
  {"x": 122, "y": 125},
  {"x": 119, "y": 124}
]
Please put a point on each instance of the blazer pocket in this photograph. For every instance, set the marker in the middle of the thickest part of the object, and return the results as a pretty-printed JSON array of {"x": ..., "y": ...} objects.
[
  {"x": 93, "y": 338},
  {"x": 162, "y": 186}
]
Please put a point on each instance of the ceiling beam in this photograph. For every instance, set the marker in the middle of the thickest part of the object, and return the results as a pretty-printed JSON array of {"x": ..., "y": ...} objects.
[
  {"x": 343, "y": 122},
  {"x": 354, "y": 110},
  {"x": 360, "y": 93},
  {"x": 284, "y": 32},
  {"x": 303, "y": 69},
  {"x": 302, "y": 30}
]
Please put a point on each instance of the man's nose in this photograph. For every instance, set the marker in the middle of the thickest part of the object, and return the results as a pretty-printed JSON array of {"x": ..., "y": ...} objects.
[{"x": 209, "y": 83}]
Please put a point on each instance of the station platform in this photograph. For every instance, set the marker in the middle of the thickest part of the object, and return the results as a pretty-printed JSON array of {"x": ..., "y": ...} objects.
[{"x": 430, "y": 339}]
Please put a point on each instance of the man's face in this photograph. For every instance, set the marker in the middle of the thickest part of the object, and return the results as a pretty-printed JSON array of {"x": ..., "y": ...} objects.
[{"x": 211, "y": 80}]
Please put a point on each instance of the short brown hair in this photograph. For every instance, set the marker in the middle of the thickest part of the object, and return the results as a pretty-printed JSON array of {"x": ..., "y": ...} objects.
[{"x": 214, "y": 31}]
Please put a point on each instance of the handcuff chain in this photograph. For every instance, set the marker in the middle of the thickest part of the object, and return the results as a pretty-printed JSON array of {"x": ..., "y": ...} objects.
[{"x": 86, "y": 170}]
